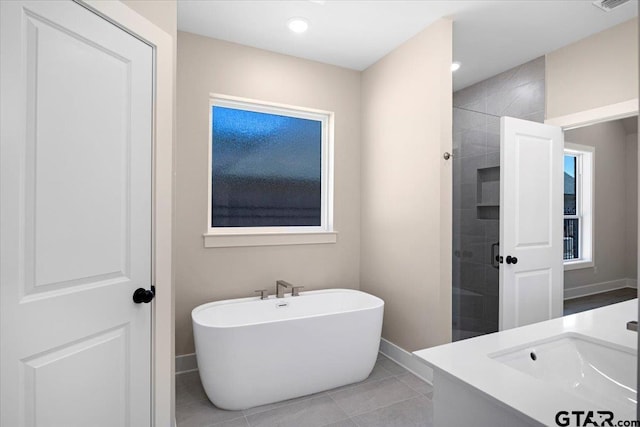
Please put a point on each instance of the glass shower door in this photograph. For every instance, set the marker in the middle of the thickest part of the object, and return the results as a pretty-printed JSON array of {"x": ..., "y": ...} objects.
[{"x": 476, "y": 204}]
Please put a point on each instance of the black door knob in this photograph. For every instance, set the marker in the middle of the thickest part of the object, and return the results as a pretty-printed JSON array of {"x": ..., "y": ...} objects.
[
  {"x": 512, "y": 259},
  {"x": 142, "y": 295}
]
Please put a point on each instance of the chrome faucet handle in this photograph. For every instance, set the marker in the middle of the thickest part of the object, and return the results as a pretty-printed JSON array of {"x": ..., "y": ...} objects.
[
  {"x": 264, "y": 293},
  {"x": 295, "y": 291},
  {"x": 632, "y": 325}
]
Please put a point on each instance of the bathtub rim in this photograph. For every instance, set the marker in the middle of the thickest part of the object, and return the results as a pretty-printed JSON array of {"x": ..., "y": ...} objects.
[{"x": 378, "y": 304}]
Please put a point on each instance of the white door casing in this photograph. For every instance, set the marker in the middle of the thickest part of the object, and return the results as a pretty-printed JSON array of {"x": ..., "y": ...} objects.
[
  {"x": 531, "y": 203},
  {"x": 75, "y": 194}
]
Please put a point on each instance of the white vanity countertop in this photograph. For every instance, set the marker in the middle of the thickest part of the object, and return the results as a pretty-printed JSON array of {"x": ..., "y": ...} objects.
[{"x": 469, "y": 361}]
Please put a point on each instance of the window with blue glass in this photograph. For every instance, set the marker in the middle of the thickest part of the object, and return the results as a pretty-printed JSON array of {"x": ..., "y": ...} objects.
[{"x": 268, "y": 167}]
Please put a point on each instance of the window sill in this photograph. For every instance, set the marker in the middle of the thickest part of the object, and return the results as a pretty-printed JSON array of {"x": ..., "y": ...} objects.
[
  {"x": 269, "y": 239},
  {"x": 577, "y": 265}
]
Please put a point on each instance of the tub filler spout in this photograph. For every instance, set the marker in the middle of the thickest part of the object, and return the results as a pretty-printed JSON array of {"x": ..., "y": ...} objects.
[{"x": 281, "y": 286}]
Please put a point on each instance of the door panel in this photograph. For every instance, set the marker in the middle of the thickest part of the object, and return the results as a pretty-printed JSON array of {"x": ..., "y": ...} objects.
[
  {"x": 99, "y": 366},
  {"x": 534, "y": 184},
  {"x": 72, "y": 210},
  {"x": 531, "y": 185},
  {"x": 533, "y": 289},
  {"x": 75, "y": 192}
]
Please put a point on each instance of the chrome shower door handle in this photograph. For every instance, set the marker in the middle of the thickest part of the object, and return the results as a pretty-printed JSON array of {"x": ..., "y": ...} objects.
[{"x": 495, "y": 259}]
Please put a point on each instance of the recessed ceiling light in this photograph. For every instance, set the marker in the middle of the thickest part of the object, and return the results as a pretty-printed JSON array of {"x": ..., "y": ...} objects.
[
  {"x": 298, "y": 25},
  {"x": 455, "y": 66}
]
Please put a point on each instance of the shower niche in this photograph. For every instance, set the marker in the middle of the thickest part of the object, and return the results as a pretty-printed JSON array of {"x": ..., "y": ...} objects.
[{"x": 488, "y": 193}]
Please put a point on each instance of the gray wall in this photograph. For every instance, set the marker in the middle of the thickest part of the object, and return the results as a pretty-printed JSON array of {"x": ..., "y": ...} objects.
[
  {"x": 213, "y": 66},
  {"x": 162, "y": 13},
  {"x": 519, "y": 93},
  {"x": 615, "y": 199},
  {"x": 406, "y": 188},
  {"x": 593, "y": 72}
]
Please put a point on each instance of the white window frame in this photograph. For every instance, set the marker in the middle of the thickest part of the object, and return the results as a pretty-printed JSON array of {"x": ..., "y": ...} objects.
[
  {"x": 585, "y": 170},
  {"x": 267, "y": 236}
]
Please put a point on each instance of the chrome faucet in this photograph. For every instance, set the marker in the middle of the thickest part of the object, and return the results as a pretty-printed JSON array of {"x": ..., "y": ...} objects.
[{"x": 281, "y": 285}]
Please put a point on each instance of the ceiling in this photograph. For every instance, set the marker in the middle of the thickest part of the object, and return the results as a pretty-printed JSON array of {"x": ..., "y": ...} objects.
[{"x": 489, "y": 36}]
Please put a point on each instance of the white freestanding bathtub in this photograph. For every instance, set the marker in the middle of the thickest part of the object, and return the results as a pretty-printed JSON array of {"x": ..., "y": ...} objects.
[{"x": 252, "y": 352}]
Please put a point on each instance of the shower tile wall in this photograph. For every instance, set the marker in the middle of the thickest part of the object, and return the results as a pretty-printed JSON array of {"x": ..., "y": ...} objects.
[{"x": 518, "y": 92}]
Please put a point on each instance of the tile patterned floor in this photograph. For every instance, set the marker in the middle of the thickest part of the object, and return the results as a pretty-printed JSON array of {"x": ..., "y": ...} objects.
[
  {"x": 577, "y": 305},
  {"x": 390, "y": 397}
]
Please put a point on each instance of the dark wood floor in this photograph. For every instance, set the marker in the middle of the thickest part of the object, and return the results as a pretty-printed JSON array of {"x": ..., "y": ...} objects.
[{"x": 577, "y": 305}]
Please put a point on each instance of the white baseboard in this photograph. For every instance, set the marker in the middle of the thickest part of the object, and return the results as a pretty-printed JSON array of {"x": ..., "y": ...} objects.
[
  {"x": 186, "y": 363},
  {"x": 406, "y": 360},
  {"x": 596, "y": 288}
]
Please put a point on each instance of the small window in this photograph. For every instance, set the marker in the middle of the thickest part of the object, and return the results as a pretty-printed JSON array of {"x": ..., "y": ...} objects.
[
  {"x": 270, "y": 169},
  {"x": 578, "y": 206}
]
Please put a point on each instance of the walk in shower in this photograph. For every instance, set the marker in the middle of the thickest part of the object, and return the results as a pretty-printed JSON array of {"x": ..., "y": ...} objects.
[{"x": 518, "y": 92}]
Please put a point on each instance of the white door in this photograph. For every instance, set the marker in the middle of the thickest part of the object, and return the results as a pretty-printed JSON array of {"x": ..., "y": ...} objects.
[
  {"x": 531, "y": 203},
  {"x": 75, "y": 231}
]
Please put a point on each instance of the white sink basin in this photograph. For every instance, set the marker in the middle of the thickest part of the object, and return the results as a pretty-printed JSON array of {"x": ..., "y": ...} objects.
[{"x": 600, "y": 372}]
